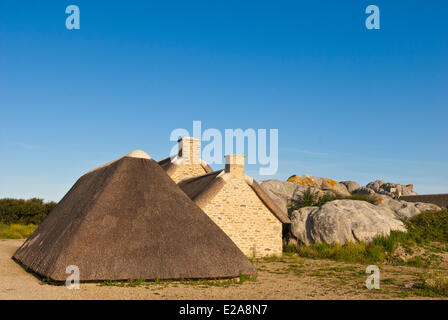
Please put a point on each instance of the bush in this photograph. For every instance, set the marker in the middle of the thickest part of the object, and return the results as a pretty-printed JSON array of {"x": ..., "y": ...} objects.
[
  {"x": 429, "y": 226},
  {"x": 325, "y": 198},
  {"x": 309, "y": 198},
  {"x": 19, "y": 211}
]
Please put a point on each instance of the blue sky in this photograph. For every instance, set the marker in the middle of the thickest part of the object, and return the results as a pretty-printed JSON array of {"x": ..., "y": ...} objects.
[{"x": 349, "y": 103}]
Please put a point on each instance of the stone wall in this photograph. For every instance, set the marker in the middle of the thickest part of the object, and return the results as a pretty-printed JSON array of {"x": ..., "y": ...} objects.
[
  {"x": 185, "y": 171},
  {"x": 439, "y": 199},
  {"x": 190, "y": 150},
  {"x": 238, "y": 211}
]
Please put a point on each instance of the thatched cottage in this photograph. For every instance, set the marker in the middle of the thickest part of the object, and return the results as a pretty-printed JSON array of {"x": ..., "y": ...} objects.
[
  {"x": 237, "y": 204},
  {"x": 188, "y": 162},
  {"x": 126, "y": 220}
]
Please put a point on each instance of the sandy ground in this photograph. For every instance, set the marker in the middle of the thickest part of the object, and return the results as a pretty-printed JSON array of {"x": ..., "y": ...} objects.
[{"x": 285, "y": 278}]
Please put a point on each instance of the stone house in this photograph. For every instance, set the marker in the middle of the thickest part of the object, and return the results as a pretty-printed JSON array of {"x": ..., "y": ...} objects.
[
  {"x": 238, "y": 205},
  {"x": 187, "y": 163}
]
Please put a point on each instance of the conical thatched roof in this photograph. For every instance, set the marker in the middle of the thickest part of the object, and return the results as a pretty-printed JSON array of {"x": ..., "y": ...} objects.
[{"x": 127, "y": 220}]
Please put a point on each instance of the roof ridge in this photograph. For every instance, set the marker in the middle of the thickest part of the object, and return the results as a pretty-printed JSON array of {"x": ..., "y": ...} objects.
[{"x": 133, "y": 154}]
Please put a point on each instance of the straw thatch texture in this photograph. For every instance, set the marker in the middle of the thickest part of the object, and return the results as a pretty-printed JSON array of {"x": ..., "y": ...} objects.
[{"x": 129, "y": 220}]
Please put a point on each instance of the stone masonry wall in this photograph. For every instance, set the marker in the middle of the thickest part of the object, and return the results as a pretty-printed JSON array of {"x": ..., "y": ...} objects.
[
  {"x": 439, "y": 199},
  {"x": 185, "y": 171},
  {"x": 191, "y": 150},
  {"x": 238, "y": 211}
]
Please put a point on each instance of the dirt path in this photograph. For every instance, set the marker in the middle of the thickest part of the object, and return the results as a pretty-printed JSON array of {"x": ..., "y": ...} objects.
[{"x": 286, "y": 278}]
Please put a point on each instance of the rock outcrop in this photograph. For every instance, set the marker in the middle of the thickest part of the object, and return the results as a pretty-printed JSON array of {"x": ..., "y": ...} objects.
[
  {"x": 286, "y": 194},
  {"x": 351, "y": 185},
  {"x": 405, "y": 210},
  {"x": 323, "y": 184},
  {"x": 393, "y": 190},
  {"x": 364, "y": 190},
  {"x": 343, "y": 221}
]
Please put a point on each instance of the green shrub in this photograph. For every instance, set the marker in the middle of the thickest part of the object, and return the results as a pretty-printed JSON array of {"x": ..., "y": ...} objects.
[
  {"x": 19, "y": 211},
  {"x": 311, "y": 199},
  {"x": 325, "y": 198},
  {"x": 429, "y": 226}
]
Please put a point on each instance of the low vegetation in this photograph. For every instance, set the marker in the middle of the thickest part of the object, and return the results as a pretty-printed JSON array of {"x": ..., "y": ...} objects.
[
  {"x": 429, "y": 231},
  {"x": 432, "y": 285},
  {"x": 190, "y": 282},
  {"x": 19, "y": 218},
  {"x": 16, "y": 231},
  {"x": 312, "y": 199},
  {"x": 25, "y": 212}
]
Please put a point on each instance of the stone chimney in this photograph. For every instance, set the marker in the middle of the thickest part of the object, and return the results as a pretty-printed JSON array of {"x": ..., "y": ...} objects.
[
  {"x": 235, "y": 163},
  {"x": 190, "y": 150}
]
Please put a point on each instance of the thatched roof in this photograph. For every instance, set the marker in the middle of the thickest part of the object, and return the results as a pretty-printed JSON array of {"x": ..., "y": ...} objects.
[
  {"x": 202, "y": 190},
  {"x": 169, "y": 164},
  {"x": 128, "y": 220}
]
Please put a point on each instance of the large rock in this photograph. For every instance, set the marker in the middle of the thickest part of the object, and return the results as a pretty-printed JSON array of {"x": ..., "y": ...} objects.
[
  {"x": 286, "y": 194},
  {"x": 281, "y": 192},
  {"x": 405, "y": 210},
  {"x": 300, "y": 225},
  {"x": 343, "y": 221},
  {"x": 364, "y": 190},
  {"x": 350, "y": 185},
  {"x": 375, "y": 185},
  {"x": 324, "y": 184},
  {"x": 388, "y": 188}
]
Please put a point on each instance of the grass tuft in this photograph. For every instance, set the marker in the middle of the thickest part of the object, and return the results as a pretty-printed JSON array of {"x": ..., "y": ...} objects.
[
  {"x": 246, "y": 277},
  {"x": 16, "y": 231},
  {"x": 432, "y": 285}
]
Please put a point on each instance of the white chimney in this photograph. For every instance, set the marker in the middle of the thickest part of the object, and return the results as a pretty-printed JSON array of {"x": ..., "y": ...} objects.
[
  {"x": 235, "y": 163},
  {"x": 190, "y": 150}
]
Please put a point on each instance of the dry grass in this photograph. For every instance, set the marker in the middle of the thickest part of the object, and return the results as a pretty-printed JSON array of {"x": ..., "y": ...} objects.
[{"x": 16, "y": 231}]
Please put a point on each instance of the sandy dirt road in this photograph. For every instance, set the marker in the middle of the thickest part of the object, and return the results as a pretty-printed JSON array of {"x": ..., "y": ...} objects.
[{"x": 286, "y": 278}]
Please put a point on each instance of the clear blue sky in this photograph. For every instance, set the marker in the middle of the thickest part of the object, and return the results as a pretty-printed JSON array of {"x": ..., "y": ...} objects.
[{"x": 349, "y": 103}]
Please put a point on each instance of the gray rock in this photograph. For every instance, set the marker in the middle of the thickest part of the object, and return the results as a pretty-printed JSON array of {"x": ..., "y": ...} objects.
[
  {"x": 350, "y": 185},
  {"x": 281, "y": 192},
  {"x": 408, "y": 190},
  {"x": 391, "y": 189},
  {"x": 364, "y": 190},
  {"x": 375, "y": 185},
  {"x": 386, "y": 193},
  {"x": 343, "y": 221},
  {"x": 300, "y": 228},
  {"x": 324, "y": 184},
  {"x": 286, "y": 194},
  {"x": 406, "y": 210},
  {"x": 338, "y": 188}
]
